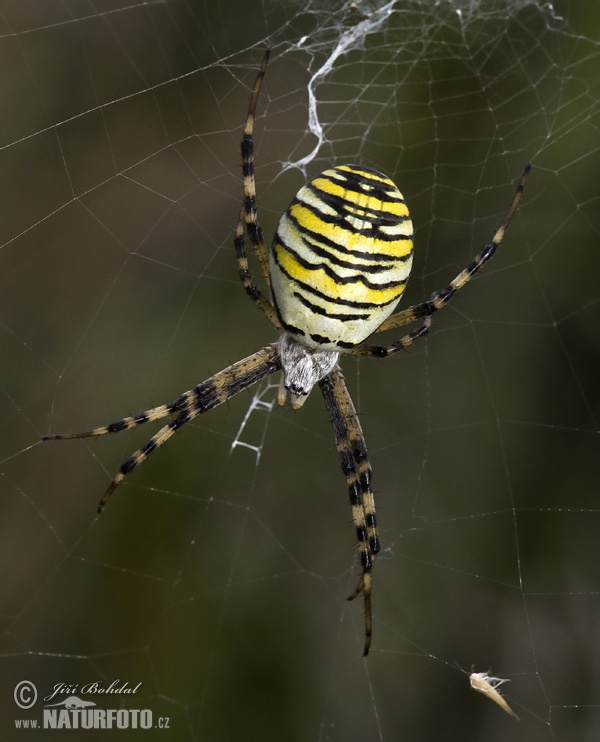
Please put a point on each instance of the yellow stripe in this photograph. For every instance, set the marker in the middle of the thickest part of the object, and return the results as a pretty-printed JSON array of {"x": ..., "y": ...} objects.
[
  {"x": 363, "y": 200},
  {"x": 326, "y": 285},
  {"x": 307, "y": 219}
]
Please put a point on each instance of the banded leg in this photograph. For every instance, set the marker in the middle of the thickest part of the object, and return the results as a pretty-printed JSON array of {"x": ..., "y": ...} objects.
[
  {"x": 382, "y": 351},
  {"x": 246, "y": 277},
  {"x": 440, "y": 298},
  {"x": 202, "y": 398},
  {"x": 249, "y": 212},
  {"x": 248, "y": 219},
  {"x": 351, "y": 447}
]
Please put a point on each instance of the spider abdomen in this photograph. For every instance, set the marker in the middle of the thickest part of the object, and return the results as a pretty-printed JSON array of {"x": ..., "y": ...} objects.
[{"x": 341, "y": 257}]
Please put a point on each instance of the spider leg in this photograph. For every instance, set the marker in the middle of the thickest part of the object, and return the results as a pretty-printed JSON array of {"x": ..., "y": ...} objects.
[
  {"x": 249, "y": 213},
  {"x": 126, "y": 423},
  {"x": 382, "y": 351},
  {"x": 248, "y": 219},
  {"x": 439, "y": 299},
  {"x": 246, "y": 277},
  {"x": 202, "y": 398},
  {"x": 352, "y": 450}
]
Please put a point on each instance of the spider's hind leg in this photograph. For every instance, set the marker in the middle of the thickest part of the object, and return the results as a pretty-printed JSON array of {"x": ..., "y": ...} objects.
[{"x": 352, "y": 450}]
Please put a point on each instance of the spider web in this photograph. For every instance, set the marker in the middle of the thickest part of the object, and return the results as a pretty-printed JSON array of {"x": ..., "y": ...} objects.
[{"x": 216, "y": 577}]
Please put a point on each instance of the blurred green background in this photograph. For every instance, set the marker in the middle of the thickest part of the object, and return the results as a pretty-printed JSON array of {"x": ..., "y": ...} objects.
[{"x": 217, "y": 576}]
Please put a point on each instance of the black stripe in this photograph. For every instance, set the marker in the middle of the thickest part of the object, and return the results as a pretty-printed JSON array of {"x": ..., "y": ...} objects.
[
  {"x": 295, "y": 330},
  {"x": 119, "y": 425},
  {"x": 381, "y": 265},
  {"x": 346, "y": 207},
  {"x": 340, "y": 219},
  {"x": 351, "y": 180},
  {"x": 325, "y": 247},
  {"x": 325, "y": 312},
  {"x": 147, "y": 449},
  {"x": 344, "y": 344},
  {"x": 340, "y": 202},
  {"x": 340, "y": 280},
  {"x": 322, "y": 339},
  {"x": 345, "y": 302},
  {"x": 337, "y": 300},
  {"x": 247, "y": 147}
]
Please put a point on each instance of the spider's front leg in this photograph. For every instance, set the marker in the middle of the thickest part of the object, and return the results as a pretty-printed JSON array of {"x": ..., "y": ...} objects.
[
  {"x": 248, "y": 219},
  {"x": 351, "y": 447}
]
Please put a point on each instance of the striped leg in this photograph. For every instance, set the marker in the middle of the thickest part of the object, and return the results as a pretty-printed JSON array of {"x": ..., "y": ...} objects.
[
  {"x": 382, "y": 351},
  {"x": 246, "y": 277},
  {"x": 249, "y": 211},
  {"x": 352, "y": 450},
  {"x": 248, "y": 220},
  {"x": 202, "y": 398},
  {"x": 440, "y": 298}
]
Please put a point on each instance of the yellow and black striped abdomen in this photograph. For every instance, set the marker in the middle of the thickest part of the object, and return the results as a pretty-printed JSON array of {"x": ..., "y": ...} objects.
[{"x": 341, "y": 257}]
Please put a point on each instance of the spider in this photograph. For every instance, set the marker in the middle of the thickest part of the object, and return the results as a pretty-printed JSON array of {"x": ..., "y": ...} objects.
[{"x": 337, "y": 268}]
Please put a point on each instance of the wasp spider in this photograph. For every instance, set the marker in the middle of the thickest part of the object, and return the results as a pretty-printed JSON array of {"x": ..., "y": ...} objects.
[{"x": 338, "y": 266}]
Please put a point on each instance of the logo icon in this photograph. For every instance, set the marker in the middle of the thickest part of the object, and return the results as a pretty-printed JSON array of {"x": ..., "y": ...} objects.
[{"x": 72, "y": 703}]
